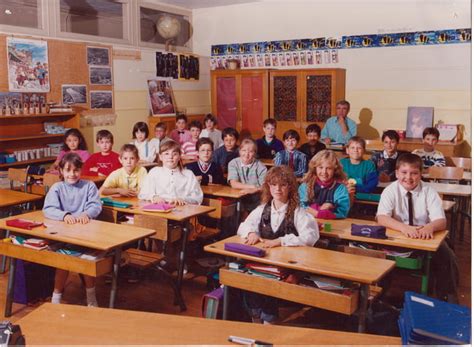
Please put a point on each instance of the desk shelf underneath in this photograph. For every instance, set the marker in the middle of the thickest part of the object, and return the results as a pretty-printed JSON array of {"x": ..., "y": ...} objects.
[
  {"x": 345, "y": 304},
  {"x": 93, "y": 268}
]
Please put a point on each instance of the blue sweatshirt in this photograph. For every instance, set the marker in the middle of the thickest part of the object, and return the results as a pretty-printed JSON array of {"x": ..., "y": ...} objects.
[
  {"x": 341, "y": 202},
  {"x": 64, "y": 198},
  {"x": 365, "y": 174}
]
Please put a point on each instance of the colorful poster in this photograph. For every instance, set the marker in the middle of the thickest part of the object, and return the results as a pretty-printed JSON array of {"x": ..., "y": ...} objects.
[
  {"x": 160, "y": 95},
  {"x": 27, "y": 65}
]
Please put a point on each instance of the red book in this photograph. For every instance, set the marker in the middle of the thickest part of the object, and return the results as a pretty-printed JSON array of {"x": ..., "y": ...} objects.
[{"x": 23, "y": 223}]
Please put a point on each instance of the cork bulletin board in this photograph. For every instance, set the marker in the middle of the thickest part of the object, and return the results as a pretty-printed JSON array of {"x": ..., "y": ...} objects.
[{"x": 67, "y": 65}]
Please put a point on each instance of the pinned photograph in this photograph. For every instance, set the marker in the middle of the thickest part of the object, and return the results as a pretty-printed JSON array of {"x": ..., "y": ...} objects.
[
  {"x": 98, "y": 56},
  {"x": 289, "y": 59},
  {"x": 100, "y": 75},
  {"x": 334, "y": 56},
  {"x": 160, "y": 96},
  {"x": 296, "y": 58},
  {"x": 252, "y": 60},
  {"x": 268, "y": 62},
  {"x": 74, "y": 94},
  {"x": 101, "y": 99},
  {"x": 303, "y": 58},
  {"x": 309, "y": 57},
  {"x": 318, "y": 57},
  {"x": 27, "y": 65},
  {"x": 282, "y": 59},
  {"x": 275, "y": 59},
  {"x": 418, "y": 119}
]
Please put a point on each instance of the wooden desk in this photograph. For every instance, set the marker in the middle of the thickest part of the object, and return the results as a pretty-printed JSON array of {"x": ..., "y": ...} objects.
[
  {"x": 449, "y": 149},
  {"x": 95, "y": 235},
  {"x": 148, "y": 165},
  {"x": 268, "y": 162},
  {"x": 77, "y": 325},
  {"x": 181, "y": 214},
  {"x": 341, "y": 229},
  {"x": 363, "y": 270},
  {"x": 9, "y": 198},
  {"x": 466, "y": 176}
]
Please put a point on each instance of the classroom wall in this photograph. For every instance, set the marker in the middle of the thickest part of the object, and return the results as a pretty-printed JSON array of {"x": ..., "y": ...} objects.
[
  {"x": 131, "y": 103},
  {"x": 381, "y": 82}
]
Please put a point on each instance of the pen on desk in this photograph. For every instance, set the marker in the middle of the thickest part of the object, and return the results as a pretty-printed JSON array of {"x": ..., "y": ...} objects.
[{"x": 247, "y": 341}]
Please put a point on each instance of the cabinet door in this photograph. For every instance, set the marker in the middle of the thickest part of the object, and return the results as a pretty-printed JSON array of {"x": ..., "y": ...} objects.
[
  {"x": 226, "y": 101},
  {"x": 254, "y": 103},
  {"x": 285, "y": 100}
]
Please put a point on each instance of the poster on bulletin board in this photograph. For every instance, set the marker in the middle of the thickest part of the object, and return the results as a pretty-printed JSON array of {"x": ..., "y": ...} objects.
[{"x": 27, "y": 65}]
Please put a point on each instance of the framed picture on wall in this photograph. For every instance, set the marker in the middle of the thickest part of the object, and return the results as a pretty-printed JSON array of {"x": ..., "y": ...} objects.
[
  {"x": 418, "y": 119},
  {"x": 160, "y": 96}
]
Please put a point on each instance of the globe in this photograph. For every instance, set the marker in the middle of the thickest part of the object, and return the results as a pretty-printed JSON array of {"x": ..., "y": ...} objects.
[{"x": 168, "y": 27}]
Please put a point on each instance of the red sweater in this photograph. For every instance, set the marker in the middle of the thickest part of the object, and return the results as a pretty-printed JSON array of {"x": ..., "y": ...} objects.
[{"x": 105, "y": 164}]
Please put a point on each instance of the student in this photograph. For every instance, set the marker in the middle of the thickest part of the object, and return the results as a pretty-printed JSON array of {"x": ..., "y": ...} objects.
[
  {"x": 205, "y": 170},
  {"x": 127, "y": 180},
  {"x": 189, "y": 148},
  {"x": 74, "y": 142},
  {"x": 385, "y": 160},
  {"x": 415, "y": 209},
  {"x": 210, "y": 123},
  {"x": 278, "y": 221},
  {"x": 362, "y": 171},
  {"x": 73, "y": 201},
  {"x": 225, "y": 154},
  {"x": 290, "y": 156},
  {"x": 181, "y": 134},
  {"x": 339, "y": 128},
  {"x": 146, "y": 151},
  {"x": 160, "y": 136},
  {"x": 170, "y": 182},
  {"x": 247, "y": 173},
  {"x": 106, "y": 161},
  {"x": 428, "y": 154},
  {"x": 323, "y": 188},
  {"x": 268, "y": 146},
  {"x": 313, "y": 146}
]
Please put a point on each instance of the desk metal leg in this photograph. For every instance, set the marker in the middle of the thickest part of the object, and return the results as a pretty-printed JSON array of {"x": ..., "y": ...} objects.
[
  {"x": 237, "y": 215},
  {"x": 225, "y": 308},
  {"x": 182, "y": 254},
  {"x": 364, "y": 298},
  {"x": 113, "y": 290},
  {"x": 10, "y": 287},
  {"x": 4, "y": 258},
  {"x": 425, "y": 278}
]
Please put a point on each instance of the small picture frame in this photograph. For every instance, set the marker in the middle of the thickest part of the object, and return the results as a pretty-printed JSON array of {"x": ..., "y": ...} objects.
[
  {"x": 418, "y": 119},
  {"x": 448, "y": 132}
]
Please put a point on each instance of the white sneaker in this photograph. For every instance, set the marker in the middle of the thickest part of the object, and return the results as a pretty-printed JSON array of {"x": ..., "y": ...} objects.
[{"x": 92, "y": 304}]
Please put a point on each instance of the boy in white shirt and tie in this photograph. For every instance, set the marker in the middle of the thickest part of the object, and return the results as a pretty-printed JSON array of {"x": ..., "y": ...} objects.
[{"x": 415, "y": 209}]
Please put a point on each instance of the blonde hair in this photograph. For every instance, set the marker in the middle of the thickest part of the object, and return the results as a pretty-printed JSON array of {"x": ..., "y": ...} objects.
[
  {"x": 175, "y": 147},
  {"x": 248, "y": 142},
  {"x": 311, "y": 175},
  {"x": 281, "y": 175}
]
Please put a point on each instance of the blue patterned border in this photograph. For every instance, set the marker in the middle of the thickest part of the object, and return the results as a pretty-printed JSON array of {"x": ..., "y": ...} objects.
[{"x": 432, "y": 37}]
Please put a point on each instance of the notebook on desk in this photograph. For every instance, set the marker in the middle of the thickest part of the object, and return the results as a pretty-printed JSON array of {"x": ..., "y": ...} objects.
[
  {"x": 115, "y": 203},
  {"x": 161, "y": 207}
]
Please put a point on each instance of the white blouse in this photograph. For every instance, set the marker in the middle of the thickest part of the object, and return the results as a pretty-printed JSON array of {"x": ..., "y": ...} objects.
[
  {"x": 215, "y": 136},
  {"x": 305, "y": 224},
  {"x": 171, "y": 184},
  {"x": 146, "y": 150}
]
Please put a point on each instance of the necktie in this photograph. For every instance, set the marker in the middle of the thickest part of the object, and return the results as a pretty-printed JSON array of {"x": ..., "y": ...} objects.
[
  {"x": 410, "y": 208},
  {"x": 181, "y": 132},
  {"x": 290, "y": 162},
  {"x": 205, "y": 166}
]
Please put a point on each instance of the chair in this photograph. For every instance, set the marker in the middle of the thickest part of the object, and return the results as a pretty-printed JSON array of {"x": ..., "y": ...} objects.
[
  {"x": 465, "y": 163},
  {"x": 48, "y": 180},
  {"x": 373, "y": 145},
  {"x": 211, "y": 232},
  {"x": 18, "y": 179},
  {"x": 445, "y": 173}
]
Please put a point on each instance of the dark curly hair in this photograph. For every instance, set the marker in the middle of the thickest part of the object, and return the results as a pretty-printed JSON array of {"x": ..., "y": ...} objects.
[{"x": 281, "y": 175}]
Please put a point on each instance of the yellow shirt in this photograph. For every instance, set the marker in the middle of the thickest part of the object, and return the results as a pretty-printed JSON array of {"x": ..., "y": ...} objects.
[{"x": 120, "y": 179}]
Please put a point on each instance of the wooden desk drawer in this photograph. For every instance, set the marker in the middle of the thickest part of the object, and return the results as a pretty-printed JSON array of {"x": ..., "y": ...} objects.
[
  {"x": 60, "y": 261},
  {"x": 292, "y": 292}
]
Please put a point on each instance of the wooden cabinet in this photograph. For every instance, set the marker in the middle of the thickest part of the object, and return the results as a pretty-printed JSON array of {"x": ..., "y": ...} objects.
[
  {"x": 301, "y": 97},
  {"x": 240, "y": 99},
  {"x": 25, "y": 132}
]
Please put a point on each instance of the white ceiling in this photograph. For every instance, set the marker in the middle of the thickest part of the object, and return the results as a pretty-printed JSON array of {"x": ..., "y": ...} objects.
[{"x": 193, "y": 4}]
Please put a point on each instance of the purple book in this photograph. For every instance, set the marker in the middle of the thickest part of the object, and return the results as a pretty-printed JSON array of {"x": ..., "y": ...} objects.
[{"x": 244, "y": 249}]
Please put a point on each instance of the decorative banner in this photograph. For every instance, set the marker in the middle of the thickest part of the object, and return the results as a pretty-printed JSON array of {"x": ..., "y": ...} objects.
[
  {"x": 433, "y": 37},
  {"x": 27, "y": 65}
]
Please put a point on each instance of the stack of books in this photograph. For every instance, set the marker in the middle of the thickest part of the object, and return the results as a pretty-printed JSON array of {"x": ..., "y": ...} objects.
[
  {"x": 325, "y": 283},
  {"x": 267, "y": 271},
  {"x": 427, "y": 321},
  {"x": 38, "y": 244}
]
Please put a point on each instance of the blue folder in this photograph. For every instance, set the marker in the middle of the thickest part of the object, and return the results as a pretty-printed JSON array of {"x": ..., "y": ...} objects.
[{"x": 425, "y": 320}]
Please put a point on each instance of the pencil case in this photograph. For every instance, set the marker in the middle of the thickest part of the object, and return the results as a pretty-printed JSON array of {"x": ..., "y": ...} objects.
[
  {"x": 368, "y": 197},
  {"x": 244, "y": 249},
  {"x": 114, "y": 203},
  {"x": 23, "y": 223},
  {"x": 373, "y": 231}
]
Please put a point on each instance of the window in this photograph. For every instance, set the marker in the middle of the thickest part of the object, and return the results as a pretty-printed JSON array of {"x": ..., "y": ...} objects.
[
  {"x": 103, "y": 18},
  {"x": 21, "y": 13},
  {"x": 150, "y": 33}
]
